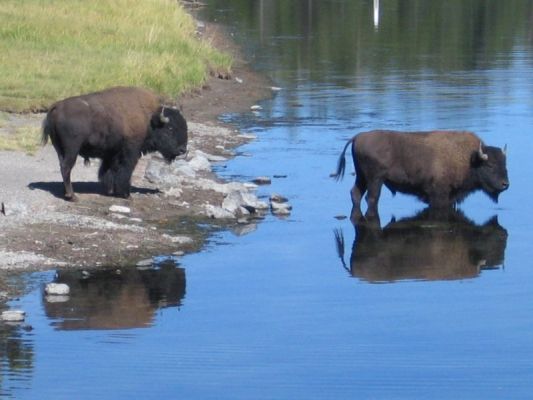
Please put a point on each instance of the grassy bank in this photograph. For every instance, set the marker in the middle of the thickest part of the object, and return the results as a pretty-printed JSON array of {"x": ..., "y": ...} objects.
[{"x": 57, "y": 48}]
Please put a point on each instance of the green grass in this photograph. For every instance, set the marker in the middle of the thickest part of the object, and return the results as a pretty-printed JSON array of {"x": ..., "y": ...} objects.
[
  {"x": 25, "y": 138},
  {"x": 52, "y": 49}
]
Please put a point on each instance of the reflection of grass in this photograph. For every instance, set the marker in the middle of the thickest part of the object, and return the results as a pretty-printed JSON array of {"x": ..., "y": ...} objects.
[
  {"x": 54, "y": 49},
  {"x": 26, "y": 138}
]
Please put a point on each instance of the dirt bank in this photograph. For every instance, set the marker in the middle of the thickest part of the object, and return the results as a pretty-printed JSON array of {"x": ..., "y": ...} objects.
[{"x": 39, "y": 230}]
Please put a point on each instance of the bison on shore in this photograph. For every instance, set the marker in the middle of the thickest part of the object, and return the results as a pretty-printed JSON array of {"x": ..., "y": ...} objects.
[
  {"x": 441, "y": 168},
  {"x": 116, "y": 125}
]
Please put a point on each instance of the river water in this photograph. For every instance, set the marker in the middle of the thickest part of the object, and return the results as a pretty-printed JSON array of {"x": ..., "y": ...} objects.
[{"x": 306, "y": 307}]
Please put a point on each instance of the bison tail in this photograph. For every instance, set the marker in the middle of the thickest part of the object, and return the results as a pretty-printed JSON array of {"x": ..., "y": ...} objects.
[
  {"x": 47, "y": 128},
  {"x": 341, "y": 164},
  {"x": 46, "y": 131}
]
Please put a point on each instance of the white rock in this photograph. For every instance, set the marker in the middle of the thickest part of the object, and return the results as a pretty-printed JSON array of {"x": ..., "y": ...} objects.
[
  {"x": 275, "y": 88},
  {"x": 200, "y": 163},
  {"x": 119, "y": 209},
  {"x": 13, "y": 316},
  {"x": 278, "y": 198},
  {"x": 178, "y": 167},
  {"x": 280, "y": 208},
  {"x": 256, "y": 107},
  {"x": 57, "y": 289},
  {"x": 238, "y": 80},
  {"x": 217, "y": 212},
  {"x": 178, "y": 239},
  {"x": 145, "y": 263},
  {"x": 211, "y": 157}
]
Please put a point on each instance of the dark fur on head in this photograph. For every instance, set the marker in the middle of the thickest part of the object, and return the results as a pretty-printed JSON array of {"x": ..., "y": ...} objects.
[{"x": 170, "y": 139}]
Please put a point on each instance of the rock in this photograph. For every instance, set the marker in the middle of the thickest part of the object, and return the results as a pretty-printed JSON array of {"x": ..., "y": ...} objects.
[
  {"x": 217, "y": 212},
  {"x": 278, "y": 198},
  {"x": 247, "y": 136},
  {"x": 117, "y": 216},
  {"x": 256, "y": 107},
  {"x": 280, "y": 208},
  {"x": 10, "y": 210},
  {"x": 262, "y": 180},
  {"x": 178, "y": 167},
  {"x": 120, "y": 209},
  {"x": 173, "y": 192},
  {"x": 145, "y": 263},
  {"x": 178, "y": 239},
  {"x": 200, "y": 163},
  {"x": 211, "y": 157},
  {"x": 57, "y": 289},
  {"x": 179, "y": 253},
  {"x": 238, "y": 80},
  {"x": 13, "y": 316},
  {"x": 275, "y": 88}
]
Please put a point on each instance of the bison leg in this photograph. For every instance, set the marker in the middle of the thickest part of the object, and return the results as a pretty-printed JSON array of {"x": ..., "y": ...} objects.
[
  {"x": 66, "y": 164},
  {"x": 106, "y": 176},
  {"x": 440, "y": 201},
  {"x": 372, "y": 198},
  {"x": 357, "y": 192},
  {"x": 125, "y": 164}
]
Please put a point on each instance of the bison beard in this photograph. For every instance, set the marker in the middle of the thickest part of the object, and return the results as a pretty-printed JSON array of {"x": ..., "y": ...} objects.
[
  {"x": 441, "y": 168},
  {"x": 116, "y": 125}
]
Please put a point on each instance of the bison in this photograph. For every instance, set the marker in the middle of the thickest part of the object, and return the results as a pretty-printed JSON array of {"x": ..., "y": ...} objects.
[
  {"x": 441, "y": 168},
  {"x": 116, "y": 125}
]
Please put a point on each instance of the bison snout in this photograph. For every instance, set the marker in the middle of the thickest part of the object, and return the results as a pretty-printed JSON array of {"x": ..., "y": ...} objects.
[{"x": 505, "y": 185}]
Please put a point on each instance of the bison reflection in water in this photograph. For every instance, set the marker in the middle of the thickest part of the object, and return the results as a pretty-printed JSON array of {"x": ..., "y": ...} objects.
[
  {"x": 429, "y": 246},
  {"x": 106, "y": 299}
]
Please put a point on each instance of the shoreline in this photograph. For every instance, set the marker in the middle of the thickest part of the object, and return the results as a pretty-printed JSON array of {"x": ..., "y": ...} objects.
[{"x": 41, "y": 231}]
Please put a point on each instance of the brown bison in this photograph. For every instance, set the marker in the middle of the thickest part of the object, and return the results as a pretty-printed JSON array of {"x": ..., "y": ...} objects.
[
  {"x": 116, "y": 125},
  {"x": 441, "y": 168}
]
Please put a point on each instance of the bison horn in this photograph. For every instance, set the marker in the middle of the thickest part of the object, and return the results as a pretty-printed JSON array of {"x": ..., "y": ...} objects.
[
  {"x": 504, "y": 151},
  {"x": 164, "y": 120},
  {"x": 482, "y": 155}
]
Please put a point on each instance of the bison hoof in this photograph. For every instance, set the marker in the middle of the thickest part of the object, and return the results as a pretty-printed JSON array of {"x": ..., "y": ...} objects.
[{"x": 73, "y": 198}]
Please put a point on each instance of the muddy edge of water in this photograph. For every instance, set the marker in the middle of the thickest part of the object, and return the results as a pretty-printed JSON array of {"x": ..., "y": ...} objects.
[{"x": 41, "y": 231}]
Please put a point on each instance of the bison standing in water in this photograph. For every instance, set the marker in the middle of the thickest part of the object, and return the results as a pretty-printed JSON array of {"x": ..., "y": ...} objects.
[
  {"x": 116, "y": 125},
  {"x": 441, "y": 168}
]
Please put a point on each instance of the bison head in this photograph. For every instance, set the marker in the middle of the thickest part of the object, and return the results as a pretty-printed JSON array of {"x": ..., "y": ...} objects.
[
  {"x": 489, "y": 164},
  {"x": 167, "y": 134}
]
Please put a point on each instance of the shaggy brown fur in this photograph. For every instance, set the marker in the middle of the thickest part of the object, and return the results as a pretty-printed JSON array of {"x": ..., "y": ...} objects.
[
  {"x": 440, "y": 167},
  {"x": 115, "y": 125}
]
